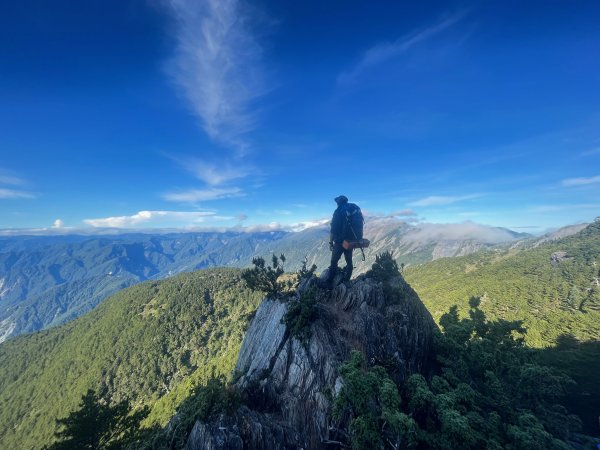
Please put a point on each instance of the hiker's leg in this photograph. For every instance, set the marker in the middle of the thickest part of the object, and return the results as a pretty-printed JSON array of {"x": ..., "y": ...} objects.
[
  {"x": 349, "y": 266},
  {"x": 336, "y": 254}
]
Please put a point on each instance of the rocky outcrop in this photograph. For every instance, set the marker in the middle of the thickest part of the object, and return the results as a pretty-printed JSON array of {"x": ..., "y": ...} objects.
[
  {"x": 558, "y": 257},
  {"x": 246, "y": 429},
  {"x": 289, "y": 385}
]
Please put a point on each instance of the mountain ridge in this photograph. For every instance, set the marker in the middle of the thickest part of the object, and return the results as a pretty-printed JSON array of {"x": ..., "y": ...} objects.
[{"x": 47, "y": 281}]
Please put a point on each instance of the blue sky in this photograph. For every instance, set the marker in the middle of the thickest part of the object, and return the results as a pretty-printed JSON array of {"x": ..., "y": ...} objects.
[{"x": 223, "y": 113}]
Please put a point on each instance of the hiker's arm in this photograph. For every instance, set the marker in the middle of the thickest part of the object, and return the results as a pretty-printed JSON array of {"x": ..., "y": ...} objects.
[{"x": 335, "y": 226}]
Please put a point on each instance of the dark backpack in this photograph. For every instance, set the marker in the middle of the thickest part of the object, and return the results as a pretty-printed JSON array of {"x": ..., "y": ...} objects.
[{"x": 353, "y": 222}]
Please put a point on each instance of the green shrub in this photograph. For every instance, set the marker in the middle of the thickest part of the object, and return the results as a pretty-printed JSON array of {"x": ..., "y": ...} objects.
[
  {"x": 300, "y": 314},
  {"x": 384, "y": 268},
  {"x": 266, "y": 278},
  {"x": 304, "y": 271},
  {"x": 371, "y": 400}
]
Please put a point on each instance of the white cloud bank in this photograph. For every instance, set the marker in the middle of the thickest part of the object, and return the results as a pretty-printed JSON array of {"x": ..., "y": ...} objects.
[
  {"x": 217, "y": 66},
  {"x": 149, "y": 217},
  {"x": 460, "y": 231}
]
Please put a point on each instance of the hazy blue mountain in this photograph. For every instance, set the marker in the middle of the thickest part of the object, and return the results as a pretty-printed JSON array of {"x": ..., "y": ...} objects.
[
  {"x": 45, "y": 281},
  {"x": 48, "y": 280}
]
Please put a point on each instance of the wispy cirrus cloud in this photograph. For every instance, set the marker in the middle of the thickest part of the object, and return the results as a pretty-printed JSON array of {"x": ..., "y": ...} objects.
[
  {"x": 592, "y": 152},
  {"x": 218, "y": 66},
  {"x": 214, "y": 173},
  {"x": 14, "y": 194},
  {"x": 385, "y": 51},
  {"x": 150, "y": 217},
  {"x": 203, "y": 195},
  {"x": 580, "y": 181},
  {"x": 439, "y": 200},
  {"x": 11, "y": 180}
]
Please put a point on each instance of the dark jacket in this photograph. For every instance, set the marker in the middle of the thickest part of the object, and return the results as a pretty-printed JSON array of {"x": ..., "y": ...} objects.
[{"x": 337, "y": 224}]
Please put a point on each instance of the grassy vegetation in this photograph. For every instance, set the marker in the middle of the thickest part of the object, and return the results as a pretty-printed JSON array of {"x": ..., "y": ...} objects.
[{"x": 153, "y": 343}]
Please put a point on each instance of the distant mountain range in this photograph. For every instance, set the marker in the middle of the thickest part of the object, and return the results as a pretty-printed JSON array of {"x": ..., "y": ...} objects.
[{"x": 49, "y": 280}]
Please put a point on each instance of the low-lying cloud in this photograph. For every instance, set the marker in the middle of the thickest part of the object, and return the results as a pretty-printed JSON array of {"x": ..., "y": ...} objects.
[
  {"x": 150, "y": 217},
  {"x": 403, "y": 213},
  {"x": 460, "y": 231}
]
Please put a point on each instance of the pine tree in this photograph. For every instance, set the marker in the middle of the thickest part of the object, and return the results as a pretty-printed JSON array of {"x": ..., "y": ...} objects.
[{"x": 98, "y": 426}]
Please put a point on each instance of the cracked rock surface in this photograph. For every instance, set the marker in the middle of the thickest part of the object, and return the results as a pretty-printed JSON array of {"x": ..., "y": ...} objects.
[{"x": 289, "y": 385}]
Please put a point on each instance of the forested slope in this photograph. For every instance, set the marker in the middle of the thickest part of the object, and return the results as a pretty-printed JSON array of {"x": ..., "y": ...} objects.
[
  {"x": 150, "y": 343},
  {"x": 554, "y": 288}
]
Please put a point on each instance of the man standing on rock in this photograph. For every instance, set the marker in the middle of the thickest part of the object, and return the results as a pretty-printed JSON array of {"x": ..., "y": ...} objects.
[{"x": 341, "y": 230}]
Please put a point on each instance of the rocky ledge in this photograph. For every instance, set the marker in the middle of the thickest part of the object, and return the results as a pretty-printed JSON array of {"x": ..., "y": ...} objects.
[{"x": 289, "y": 384}]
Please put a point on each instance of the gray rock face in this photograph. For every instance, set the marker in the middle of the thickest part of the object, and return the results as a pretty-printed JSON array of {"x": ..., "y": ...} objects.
[
  {"x": 290, "y": 385},
  {"x": 246, "y": 430}
]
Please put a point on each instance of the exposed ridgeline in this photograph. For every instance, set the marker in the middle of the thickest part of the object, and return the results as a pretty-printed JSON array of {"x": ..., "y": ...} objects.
[{"x": 289, "y": 382}]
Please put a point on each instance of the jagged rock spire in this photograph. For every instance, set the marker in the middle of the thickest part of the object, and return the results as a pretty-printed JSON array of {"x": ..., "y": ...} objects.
[{"x": 289, "y": 385}]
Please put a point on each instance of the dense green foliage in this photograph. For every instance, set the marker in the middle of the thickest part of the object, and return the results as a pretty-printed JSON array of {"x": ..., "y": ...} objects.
[
  {"x": 553, "y": 288},
  {"x": 204, "y": 402},
  {"x": 553, "y": 295},
  {"x": 371, "y": 400},
  {"x": 384, "y": 268},
  {"x": 267, "y": 278},
  {"x": 152, "y": 343},
  {"x": 96, "y": 425},
  {"x": 489, "y": 393},
  {"x": 300, "y": 314}
]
